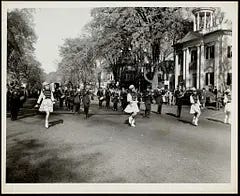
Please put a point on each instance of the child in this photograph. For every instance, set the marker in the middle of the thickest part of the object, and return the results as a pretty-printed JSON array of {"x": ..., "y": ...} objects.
[
  {"x": 227, "y": 109},
  {"x": 195, "y": 107}
]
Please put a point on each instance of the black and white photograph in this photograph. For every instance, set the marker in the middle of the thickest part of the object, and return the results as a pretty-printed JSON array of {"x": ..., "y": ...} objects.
[{"x": 119, "y": 97}]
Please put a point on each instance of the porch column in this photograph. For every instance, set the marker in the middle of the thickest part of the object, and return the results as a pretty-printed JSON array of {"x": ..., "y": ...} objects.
[
  {"x": 198, "y": 21},
  {"x": 194, "y": 23},
  {"x": 216, "y": 63},
  {"x": 211, "y": 19},
  {"x": 205, "y": 20},
  {"x": 184, "y": 64},
  {"x": 188, "y": 58},
  {"x": 202, "y": 66},
  {"x": 198, "y": 67},
  {"x": 176, "y": 70}
]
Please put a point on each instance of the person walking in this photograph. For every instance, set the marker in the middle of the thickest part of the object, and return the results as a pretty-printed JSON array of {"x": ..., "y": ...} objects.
[
  {"x": 218, "y": 100},
  {"x": 86, "y": 102},
  {"x": 204, "y": 98},
  {"x": 123, "y": 97},
  {"x": 77, "y": 101},
  {"x": 148, "y": 100},
  {"x": 179, "y": 94},
  {"x": 132, "y": 107},
  {"x": 228, "y": 106},
  {"x": 115, "y": 100},
  {"x": 107, "y": 97},
  {"x": 14, "y": 102},
  {"x": 195, "y": 106},
  {"x": 47, "y": 98},
  {"x": 100, "y": 95},
  {"x": 159, "y": 99}
]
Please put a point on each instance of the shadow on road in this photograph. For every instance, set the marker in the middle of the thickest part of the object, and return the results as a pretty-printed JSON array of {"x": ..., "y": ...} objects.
[
  {"x": 185, "y": 121},
  {"x": 55, "y": 122},
  {"x": 171, "y": 114},
  {"x": 215, "y": 120},
  {"x": 31, "y": 161}
]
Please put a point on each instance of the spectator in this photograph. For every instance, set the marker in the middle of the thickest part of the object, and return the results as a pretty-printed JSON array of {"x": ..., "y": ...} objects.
[
  {"x": 227, "y": 109},
  {"x": 204, "y": 98}
]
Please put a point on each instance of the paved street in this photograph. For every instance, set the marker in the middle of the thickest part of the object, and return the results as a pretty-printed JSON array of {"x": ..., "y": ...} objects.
[{"x": 162, "y": 149}]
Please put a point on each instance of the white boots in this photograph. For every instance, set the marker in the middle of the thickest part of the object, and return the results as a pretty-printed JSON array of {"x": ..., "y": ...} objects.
[
  {"x": 227, "y": 119},
  {"x": 131, "y": 121},
  {"x": 195, "y": 121},
  {"x": 46, "y": 124}
]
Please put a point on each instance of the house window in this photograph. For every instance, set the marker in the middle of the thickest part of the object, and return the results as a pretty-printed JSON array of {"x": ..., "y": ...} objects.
[
  {"x": 229, "y": 78},
  {"x": 209, "y": 78},
  {"x": 210, "y": 52},
  {"x": 193, "y": 55},
  {"x": 229, "y": 51}
]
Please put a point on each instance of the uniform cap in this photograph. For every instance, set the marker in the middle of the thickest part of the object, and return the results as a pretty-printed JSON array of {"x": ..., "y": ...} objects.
[
  {"x": 193, "y": 89},
  {"x": 131, "y": 86},
  {"x": 45, "y": 83}
]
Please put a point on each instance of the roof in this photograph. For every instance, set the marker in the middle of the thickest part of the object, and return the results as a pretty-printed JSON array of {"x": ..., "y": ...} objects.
[{"x": 190, "y": 36}]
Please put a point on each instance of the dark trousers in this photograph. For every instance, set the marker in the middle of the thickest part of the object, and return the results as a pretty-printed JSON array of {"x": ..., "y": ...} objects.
[
  {"x": 77, "y": 107},
  {"x": 123, "y": 105},
  {"x": 100, "y": 103},
  {"x": 147, "y": 110},
  {"x": 86, "y": 110},
  {"x": 115, "y": 106},
  {"x": 60, "y": 102},
  {"x": 14, "y": 113},
  {"x": 179, "y": 110},
  {"x": 160, "y": 108},
  {"x": 107, "y": 102}
]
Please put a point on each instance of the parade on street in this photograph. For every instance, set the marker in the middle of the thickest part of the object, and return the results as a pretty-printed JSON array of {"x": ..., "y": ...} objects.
[{"x": 119, "y": 95}]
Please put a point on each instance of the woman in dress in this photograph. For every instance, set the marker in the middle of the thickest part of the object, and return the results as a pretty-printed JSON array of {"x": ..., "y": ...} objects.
[
  {"x": 132, "y": 107},
  {"x": 47, "y": 98},
  {"x": 195, "y": 106}
]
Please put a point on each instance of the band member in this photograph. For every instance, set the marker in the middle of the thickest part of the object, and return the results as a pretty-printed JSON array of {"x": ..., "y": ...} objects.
[
  {"x": 159, "y": 99},
  {"x": 148, "y": 100},
  {"x": 107, "y": 97},
  {"x": 77, "y": 101},
  {"x": 100, "y": 95},
  {"x": 195, "y": 107},
  {"x": 132, "y": 107},
  {"x": 178, "y": 95},
  {"x": 14, "y": 102},
  {"x": 86, "y": 102},
  {"x": 228, "y": 105},
  {"x": 47, "y": 98},
  {"x": 115, "y": 99},
  {"x": 123, "y": 97}
]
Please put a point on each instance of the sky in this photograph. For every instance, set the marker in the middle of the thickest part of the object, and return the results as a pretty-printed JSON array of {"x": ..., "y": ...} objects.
[{"x": 52, "y": 26}]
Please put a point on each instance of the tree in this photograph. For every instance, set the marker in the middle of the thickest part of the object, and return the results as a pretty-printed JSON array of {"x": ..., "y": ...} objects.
[
  {"x": 136, "y": 36},
  {"x": 77, "y": 62},
  {"x": 21, "y": 62}
]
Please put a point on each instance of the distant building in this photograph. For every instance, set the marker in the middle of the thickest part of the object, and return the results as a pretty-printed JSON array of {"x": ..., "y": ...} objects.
[{"x": 204, "y": 56}]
